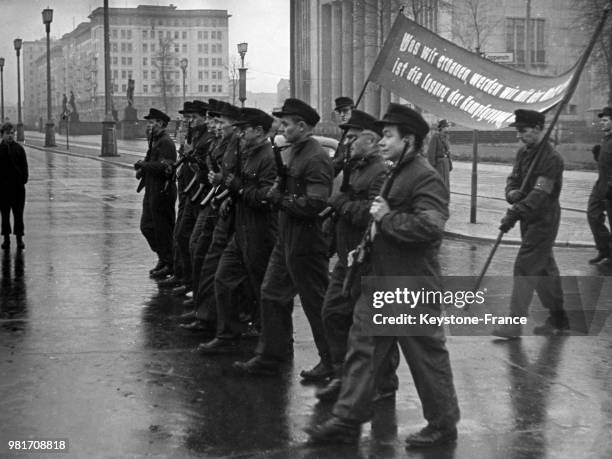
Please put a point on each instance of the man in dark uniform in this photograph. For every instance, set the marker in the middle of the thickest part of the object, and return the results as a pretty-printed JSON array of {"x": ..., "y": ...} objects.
[
  {"x": 13, "y": 177},
  {"x": 183, "y": 177},
  {"x": 343, "y": 110},
  {"x": 244, "y": 260},
  {"x": 157, "y": 221},
  {"x": 364, "y": 175},
  {"x": 539, "y": 212},
  {"x": 600, "y": 200},
  {"x": 199, "y": 138},
  {"x": 299, "y": 262},
  {"x": 408, "y": 228}
]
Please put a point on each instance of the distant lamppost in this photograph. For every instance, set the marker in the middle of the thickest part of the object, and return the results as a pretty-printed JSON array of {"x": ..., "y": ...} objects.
[
  {"x": 17, "y": 44},
  {"x": 109, "y": 139},
  {"x": 2, "y": 88},
  {"x": 183, "y": 66},
  {"x": 47, "y": 15},
  {"x": 242, "y": 49}
]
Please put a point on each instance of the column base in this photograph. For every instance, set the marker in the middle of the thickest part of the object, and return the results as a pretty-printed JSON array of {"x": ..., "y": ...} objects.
[
  {"x": 50, "y": 134},
  {"x": 109, "y": 139}
]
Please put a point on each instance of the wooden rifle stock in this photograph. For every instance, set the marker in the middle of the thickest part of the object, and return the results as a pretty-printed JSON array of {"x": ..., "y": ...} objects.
[{"x": 361, "y": 251}]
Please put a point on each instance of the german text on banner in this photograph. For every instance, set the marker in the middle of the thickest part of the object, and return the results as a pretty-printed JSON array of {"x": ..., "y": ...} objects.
[{"x": 454, "y": 83}]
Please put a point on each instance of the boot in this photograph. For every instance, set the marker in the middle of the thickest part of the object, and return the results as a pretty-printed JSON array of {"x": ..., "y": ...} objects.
[
  {"x": 319, "y": 373},
  {"x": 554, "y": 326},
  {"x": 20, "y": 243},
  {"x": 432, "y": 436},
  {"x": 7, "y": 243},
  {"x": 335, "y": 430},
  {"x": 331, "y": 392}
]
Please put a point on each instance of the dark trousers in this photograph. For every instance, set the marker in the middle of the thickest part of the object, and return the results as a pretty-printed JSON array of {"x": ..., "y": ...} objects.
[
  {"x": 182, "y": 234},
  {"x": 337, "y": 316},
  {"x": 241, "y": 271},
  {"x": 157, "y": 224},
  {"x": 199, "y": 241},
  {"x": 304, "y": 273},
  {"x": 204, "y": 291},
  {"x": 597, "y": 209},
  {"x": 535, "y": 268},
  {"x": 12, "y": 200},
  {"x": 364, "y": 370}
]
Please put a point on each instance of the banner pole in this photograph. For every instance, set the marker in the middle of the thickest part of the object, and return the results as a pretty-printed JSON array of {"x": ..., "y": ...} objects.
[
  {"x": 566, "y": 98},
  {"x": 474, "y": 176}
]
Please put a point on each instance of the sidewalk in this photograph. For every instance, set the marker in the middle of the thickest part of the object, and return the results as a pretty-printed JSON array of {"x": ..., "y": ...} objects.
[{"x": 490, "y": 206}]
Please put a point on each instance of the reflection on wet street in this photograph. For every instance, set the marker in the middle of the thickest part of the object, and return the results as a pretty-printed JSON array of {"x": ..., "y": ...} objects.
[{"x": 90, "y": 351}]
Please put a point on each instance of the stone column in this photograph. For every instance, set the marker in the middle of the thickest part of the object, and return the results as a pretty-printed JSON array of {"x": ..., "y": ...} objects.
[
  {"x": 336, "y": 50},
  {"x": 325, "y": 95},
  {"x": 358, "y": 47},
  {"x": 372, "y": 95},
  {"x": 347, "y": 49}
]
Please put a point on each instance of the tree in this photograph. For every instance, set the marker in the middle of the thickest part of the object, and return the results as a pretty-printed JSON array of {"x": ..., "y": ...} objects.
[
  {"x": 588, "y": 13},
  {"x": 473, "y": 23},
  {"x": 232, "y": 72},
  {"x": 163, "y": 61}
]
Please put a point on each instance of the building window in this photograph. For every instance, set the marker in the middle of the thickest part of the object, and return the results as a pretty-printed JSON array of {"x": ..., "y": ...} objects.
[
  {"x": 114, "y": 33},
  {"x": 176, "y": 75},
  {"x": 200, "y": 47},
  {"x": 205, "y": 62},
  {"x": 205, "y": 33},
  {"x": 145, "y": 74},
  {"x": 219, "y": 88},
  {"x": 152, "y": 47},
  {"x": 200, "y": 61},
  {"x": 115, "y": 88},
  {"x": 144, "y": 61},
  {"x": 176, "y": 48},
  {"x": 123, "y": 33},
  {"x": 114, "y": 47},
  {"x": 184, "y": 49},
  {"x": 176, "y": 34},
  {"x": 214, "y": 88},
  {"x": 129, "y": 61},
  {"x": 123, "y": 61},
  {"x": 145, "y": 34},
  {"x": 129, "y": 74},
  {"x": 123, "y": 47},
  {"x": 184, "y": 35},
  {"x": 123, "y": 88},
  {"x": 129, "y": 34},
  {"x": 515, "y": 40},
  {"x": 200, "y": 75},
  {"x": 205, "y": 88},
  {"x": 206, "y": 74},
  {"x": 115, "y": 74},
  {"x": 129, "y": 47},
  {"x": 115, "y": 60},
  {"x": 153, "y": 74},
  {"x": 145, "y": 48},
  {"x": 123, "y": 74},
  {"x": 145, "y": 88}
]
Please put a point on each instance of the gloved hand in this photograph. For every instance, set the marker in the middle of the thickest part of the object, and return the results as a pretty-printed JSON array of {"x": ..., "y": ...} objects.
[
  {"x": 514, "y": 196},
  {"x": 138, "y": 164},
  {"x": 338, "y": 200},
  {"x": 274, "y": 196},
  {"x": 509, "y": 220},
  {"x": 233, "y": 183},
  {"x": 595, "y": 150}
]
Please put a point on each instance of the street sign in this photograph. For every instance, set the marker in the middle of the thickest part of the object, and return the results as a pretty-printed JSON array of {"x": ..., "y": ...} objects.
[{"x": 501, "y": 58}]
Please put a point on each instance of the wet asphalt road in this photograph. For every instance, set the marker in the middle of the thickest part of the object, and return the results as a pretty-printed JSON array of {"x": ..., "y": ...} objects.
[{"x": 90, "y": 351}]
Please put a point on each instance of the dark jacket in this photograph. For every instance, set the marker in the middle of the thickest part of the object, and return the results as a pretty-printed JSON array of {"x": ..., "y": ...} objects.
[
  {"x": 604, "y": 165},
  {"x": 13, "y": 165},
  {"x": 255, "y": 220},
  {"x": 541, "y": 203},
  {"x": 155, "y": 166},
  {"x": 408, "y": 238},
  {"x": 308, "y": 187},
  {"x": 352, "y": 207}
]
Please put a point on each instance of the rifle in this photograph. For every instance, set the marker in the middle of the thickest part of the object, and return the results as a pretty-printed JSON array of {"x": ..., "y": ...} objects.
[
  {"x": 281, "y": 168},
  {"x": 346, "y": 168},
  {"x": 212, "y": 165},
  {"x": 140, "y": 172},
  {"x": 362, "y": 250}
]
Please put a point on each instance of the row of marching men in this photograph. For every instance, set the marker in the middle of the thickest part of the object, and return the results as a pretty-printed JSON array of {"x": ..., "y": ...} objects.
[{"x": 249, "y": 237}]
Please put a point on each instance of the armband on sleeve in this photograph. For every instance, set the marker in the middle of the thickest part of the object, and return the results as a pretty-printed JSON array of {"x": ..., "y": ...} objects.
[{"x": 544, "y": 184}]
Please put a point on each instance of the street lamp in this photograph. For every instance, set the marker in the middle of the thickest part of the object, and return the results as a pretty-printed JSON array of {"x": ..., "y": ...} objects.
[
  {"x": 2, "y": 87},
  {"x": 183, "y": 65},
  {"x": 47, "y": 16},
  {"x": 109, "y": 140},
  {"x": 17, "y": 44},
  {"x": 242, "y": 49}
]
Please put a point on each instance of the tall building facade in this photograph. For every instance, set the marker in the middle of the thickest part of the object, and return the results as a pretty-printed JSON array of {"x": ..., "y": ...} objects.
[
  {"x": 335, "y": 43},
  {"x": 147, "y": 45}
]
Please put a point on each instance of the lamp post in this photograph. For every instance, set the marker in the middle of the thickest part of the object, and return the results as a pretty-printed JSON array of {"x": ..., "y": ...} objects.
[
  {"x": 109, "y": 140},
  {"x": 17, "y": 44},
  {"x": 47, "y": 15},
  {"x": 2, "y": 88},
  {"x": 242, "y": 49},
  {"x": 183, "y": 66}
]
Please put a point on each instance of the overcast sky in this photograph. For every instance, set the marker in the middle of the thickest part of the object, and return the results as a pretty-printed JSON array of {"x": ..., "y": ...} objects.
[{"x": 263, "y": 24}]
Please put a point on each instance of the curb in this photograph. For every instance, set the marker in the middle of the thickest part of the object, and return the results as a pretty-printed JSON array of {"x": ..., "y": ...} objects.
[
  {"x": 78, "y": 155},
  {"x": 451, "y": 234}
]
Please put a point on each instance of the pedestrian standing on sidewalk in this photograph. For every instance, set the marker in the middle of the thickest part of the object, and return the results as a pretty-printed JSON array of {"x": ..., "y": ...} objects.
[
  {"x": 600, "y": 200},
  {"x": 438, "y": 152},
  {"x": 157, "y": 221},
  {"x": 539, "y": 213},
  {"x": 13, "y": 177}
]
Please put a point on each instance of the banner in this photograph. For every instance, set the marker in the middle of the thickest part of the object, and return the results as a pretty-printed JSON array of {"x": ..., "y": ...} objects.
[{"x": 454, "y": 83}]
